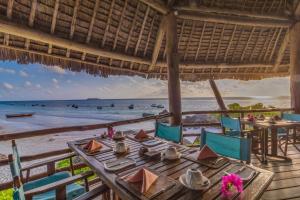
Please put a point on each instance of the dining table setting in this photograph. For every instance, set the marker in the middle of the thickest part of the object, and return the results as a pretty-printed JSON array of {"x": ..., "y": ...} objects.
[
  {"x": 141, "y": 166},
  {"x": 270, "y": 125}
]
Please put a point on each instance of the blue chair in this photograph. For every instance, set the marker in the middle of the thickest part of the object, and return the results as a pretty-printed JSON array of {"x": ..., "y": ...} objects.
[
  {"x": 284, "y": 136},
  {"x": 234, "y": 147},
  {"x": 54, "y": 181},
  {"x": 168, "y": 132},
  {"x": 231, "y": 126}
]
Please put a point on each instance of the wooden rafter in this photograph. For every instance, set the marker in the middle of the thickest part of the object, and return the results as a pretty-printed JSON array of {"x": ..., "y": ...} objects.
[
  {"x": 270, "y": 43},
  {"x": 32, "y": 34},
  {"x": 275, "y": 44},
  {"x": 264, "y": 44},
  {"x": 237, "y": 44},
  {"x": 224, "y": 11},
  {"x": 31, "y": 19},
  {"x": 108, "y": 22},
  {"x": 120, "y": 24},
  {"x": 281, "y": 51},
  {"x": 159, "y": 38},
  {"x": 189, "y": 40},
  {"x": 10, "y": 4},
  {"x": 73, "y": 23},
  {"x": 200, "y": 42},
  {"x": 226, "y": 19},
  {"x": 89, "y": 35},
  {"x": 230, "y": 43},
  {"x": 210, "y": 42},
  {"x": 141, "y": 31},
  {"x": 249, "y": 39},
  {"x": 132, "y": 26},
  {"x": 255, "y": 44},
  {"x": 149, "y": 35},
  {"x": 53, "y": 22},
  {"x": 219, "y": 43}
]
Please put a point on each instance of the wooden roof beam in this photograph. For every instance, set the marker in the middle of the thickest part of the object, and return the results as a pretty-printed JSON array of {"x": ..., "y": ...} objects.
[
  {"x": 31, "y": 19},
  {"x": 32, "y": 34},
  {"x": 238, "y": 20},
  {"x": 10, "y": 4},
  {"x": 53, "y": 22},
  {"x": 158, "y": 42},
  {"x": 224, "y": 11},
  {"x": 89, "y": 35},
  {"x": 188, "y": 65},
  {"x": 157, "y": 5},
  {"x": 73, "y": 23}
]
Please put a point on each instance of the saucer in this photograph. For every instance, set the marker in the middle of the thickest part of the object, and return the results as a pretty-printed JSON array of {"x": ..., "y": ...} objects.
[
  {"x": 175, "y": 157},
  {"x": 182, "y": 180}
]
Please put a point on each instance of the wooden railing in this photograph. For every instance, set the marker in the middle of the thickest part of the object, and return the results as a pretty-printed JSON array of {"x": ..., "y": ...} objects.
[{"x": 43, "y": 132}]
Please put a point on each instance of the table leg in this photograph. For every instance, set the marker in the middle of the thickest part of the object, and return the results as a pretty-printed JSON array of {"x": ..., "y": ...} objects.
[
  {"x": 274, "y": 142},
  {"x": 264, "y": 145}
]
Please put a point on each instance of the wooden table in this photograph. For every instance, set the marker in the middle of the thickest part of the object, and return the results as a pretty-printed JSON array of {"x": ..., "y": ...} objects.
[
  {"x": 265, "y": 125},
  {"x": 253, "y": 189}
]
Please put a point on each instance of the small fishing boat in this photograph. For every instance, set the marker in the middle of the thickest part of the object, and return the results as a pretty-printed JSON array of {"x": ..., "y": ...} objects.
[
  {"x": 19, "y": 115},
  {"x": 147, "y": 114},
  {"x": 131, "y": 107},
  {"x": 153, "y": 105},
  {"x": 160, "y": 106}
]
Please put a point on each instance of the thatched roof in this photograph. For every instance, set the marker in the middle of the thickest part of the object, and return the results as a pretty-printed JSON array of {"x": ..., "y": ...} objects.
[{"x": 239, "y": 39}]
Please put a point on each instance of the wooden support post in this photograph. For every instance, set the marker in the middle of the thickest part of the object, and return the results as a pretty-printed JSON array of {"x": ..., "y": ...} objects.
[
  {"x": 295, "y": 67},
  {"x": 173, "y": 69},
  {"x": 217, "y": 94}
]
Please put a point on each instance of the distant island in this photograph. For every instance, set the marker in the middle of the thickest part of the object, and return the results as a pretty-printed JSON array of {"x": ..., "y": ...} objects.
[{"x": 92, "y": 99}]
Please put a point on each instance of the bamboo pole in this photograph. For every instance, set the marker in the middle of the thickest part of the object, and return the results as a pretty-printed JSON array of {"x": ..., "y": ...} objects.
[{"x": 173, "y": 69}]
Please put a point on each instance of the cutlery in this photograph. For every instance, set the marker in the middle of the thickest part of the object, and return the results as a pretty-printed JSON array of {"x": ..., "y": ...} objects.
[{"x": 118, "y": 164}]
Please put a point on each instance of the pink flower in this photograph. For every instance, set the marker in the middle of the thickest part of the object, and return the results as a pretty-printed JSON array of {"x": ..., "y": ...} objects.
[{"x": 230, "y": 184}]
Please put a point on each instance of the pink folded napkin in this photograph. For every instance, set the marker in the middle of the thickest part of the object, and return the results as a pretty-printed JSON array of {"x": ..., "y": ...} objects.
[
  {"x": 144, "y": 176},
  {"x": 206, "y": 152},
  {"x": 141, "y": 135},
  {"x": 93, "y": 146}
]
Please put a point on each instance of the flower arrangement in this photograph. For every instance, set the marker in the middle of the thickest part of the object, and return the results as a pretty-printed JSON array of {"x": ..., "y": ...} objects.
[{"x": 231, "y": 183}]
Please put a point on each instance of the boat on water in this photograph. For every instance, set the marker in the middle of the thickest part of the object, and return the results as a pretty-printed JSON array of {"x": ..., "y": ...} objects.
[
  {"x": 160, "y": 106},
  {"x": 19, "y": 115},
  {"x": 153, "y": 105},
  {"x": 131, "y": 107},
  {"x": 147, "y": 114}
]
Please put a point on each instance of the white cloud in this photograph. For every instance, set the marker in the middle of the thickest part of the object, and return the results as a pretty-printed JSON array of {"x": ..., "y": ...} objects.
[
  {"x": 8, "y": 86},
  {"x": 38, "y": 86},
  {"x": 9, "y": 71},
  {"x": 55, "y": 81},
  {"x": 23, "y": 73},
  {"x": 28, "y": 83},
  {"x": 56, "y": 69},
  {"x": 69, "y": 81}
]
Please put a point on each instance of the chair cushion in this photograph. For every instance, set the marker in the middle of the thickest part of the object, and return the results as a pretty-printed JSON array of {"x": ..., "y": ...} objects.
[
  {"x": 46, "y": 180},
  {"x": 73, "y": 190}
]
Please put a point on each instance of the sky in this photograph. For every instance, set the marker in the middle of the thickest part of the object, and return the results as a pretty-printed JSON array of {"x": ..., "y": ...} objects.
[{"x": 40, "y": 82}]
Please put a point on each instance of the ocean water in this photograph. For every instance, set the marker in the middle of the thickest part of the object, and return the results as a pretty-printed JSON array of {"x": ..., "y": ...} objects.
[{"x": 58, "y": 113}]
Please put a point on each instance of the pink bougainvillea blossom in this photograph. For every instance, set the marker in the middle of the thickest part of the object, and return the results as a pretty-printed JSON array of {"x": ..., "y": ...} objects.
[{"x": 230, "y": 184}]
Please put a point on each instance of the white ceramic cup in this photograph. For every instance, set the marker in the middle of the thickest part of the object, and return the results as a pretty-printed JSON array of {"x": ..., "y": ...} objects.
[
  {"x": 194, "y": 177},
  {"x": 170, "y": 152},
  {"x": 119, "y": 134},
  {"x": 120, "y": 147}
]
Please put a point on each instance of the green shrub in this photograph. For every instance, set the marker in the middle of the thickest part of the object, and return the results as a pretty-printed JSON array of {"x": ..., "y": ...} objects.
[{"x": 6, "y": 194}]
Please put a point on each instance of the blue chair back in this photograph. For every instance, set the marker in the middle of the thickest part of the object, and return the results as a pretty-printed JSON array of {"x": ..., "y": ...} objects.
[
  {"x": 233, "y": 147},
  {"x": 168, "y": 132},
  {"x": 291, "y": 117},
  {"x": 231, "y": 126}
]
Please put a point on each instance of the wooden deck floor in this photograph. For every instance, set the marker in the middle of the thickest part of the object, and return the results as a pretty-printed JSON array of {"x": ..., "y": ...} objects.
[{"x": 286, "y": 182}]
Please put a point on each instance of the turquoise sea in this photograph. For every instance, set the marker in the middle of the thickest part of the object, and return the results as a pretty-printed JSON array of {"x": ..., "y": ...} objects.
[{"x": 58, "y": 113}]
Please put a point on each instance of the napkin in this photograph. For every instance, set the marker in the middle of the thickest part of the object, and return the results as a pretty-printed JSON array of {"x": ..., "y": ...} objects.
[
  {"x": 93, "y": 146},
  {"x": 141, "y": 135},
  {"x": 144, "y": 176},
  {"x": 206, "y": 152}
]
